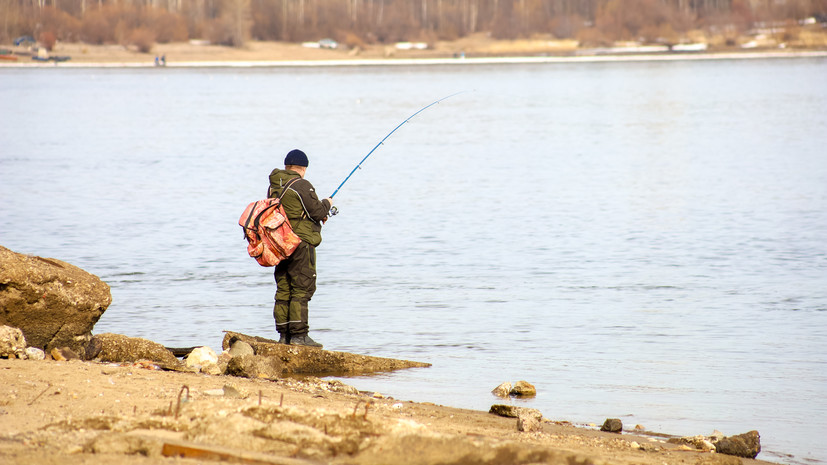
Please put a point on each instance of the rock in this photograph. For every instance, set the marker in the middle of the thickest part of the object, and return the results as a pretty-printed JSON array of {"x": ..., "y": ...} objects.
[
  {"x": 698, "y": 442},
  {"x": 204, "y": 359},
  {"x": 315, "y": 361},
  {"x": 54, "y": 303},
  {"x": 255, "y": 366},
  {"x": 334, "y": 385},
  {"x": 63, "y": 354},
  {"x": 120, "y": 348},
  {"x": 241, "y": 348},
  {"x": 202, "y": 356},
  {"x": 33, "y": 353},
  {"x": 223, "y": 359},
  {"x": 649, "y": 447},
  {"x": 511, "y": 411},
  {"x": 92, "y": 349},
  {"x": 523, "y": 389},
  {"x": 612, "y": 425},
  {"x": 747, "y": 445},
  {"x": 212, "y": 369},
  {"x": 528, "y": 422},
  {"x": 503, "y": 390},
  {"x": 232, "y": 392},
  {"x": 12, "y": 342}
]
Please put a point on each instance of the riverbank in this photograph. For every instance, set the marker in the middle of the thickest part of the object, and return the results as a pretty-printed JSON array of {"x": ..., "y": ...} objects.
[
  {"x": 75, "y": 412},
  {"x": 474, "y": 50}
]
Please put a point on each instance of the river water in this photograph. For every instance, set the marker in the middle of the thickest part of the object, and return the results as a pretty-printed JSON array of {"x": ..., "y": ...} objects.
[{"x": 645, "y": 241}]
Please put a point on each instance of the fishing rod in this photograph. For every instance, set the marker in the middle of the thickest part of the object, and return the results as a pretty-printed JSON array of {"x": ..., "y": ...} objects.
[{"x": 334, "y": 210}]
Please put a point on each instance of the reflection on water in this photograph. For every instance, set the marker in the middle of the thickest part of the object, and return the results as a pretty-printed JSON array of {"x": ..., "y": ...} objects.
[{"x": 644, "y": 240}]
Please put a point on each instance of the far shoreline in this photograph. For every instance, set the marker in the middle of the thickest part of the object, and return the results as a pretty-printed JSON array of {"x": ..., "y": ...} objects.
[{"x": 455, "y": 61}]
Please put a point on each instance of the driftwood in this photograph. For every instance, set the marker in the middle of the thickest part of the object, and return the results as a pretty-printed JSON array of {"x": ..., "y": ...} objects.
[{"x": 314, "y": 361}]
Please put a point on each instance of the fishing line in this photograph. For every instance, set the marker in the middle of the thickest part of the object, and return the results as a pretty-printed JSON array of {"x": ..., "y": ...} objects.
[{"x": 335, "y": 210}]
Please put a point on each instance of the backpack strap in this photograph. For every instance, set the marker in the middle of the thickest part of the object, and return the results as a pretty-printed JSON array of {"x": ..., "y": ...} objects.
[
  {"x": 258, "y": 217},
  {"x": 286, "y": 186}
]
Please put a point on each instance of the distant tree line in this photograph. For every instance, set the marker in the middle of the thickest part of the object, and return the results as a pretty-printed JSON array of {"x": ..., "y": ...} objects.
[{"x": 359, "y": 22}]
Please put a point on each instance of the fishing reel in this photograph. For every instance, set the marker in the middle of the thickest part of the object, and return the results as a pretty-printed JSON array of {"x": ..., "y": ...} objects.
[{"x": 334, "y": 211}]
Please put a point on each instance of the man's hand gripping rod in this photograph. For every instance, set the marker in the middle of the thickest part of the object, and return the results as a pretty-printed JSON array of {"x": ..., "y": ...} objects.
[{"x": 334, "y": 210}]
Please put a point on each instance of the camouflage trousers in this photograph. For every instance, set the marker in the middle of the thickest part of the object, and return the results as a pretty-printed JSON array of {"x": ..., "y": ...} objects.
[{"x": 296, "y": 283}]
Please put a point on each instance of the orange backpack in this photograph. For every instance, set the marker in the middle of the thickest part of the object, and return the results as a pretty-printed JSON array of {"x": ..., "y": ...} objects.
[{"x": 270, "y": 238}]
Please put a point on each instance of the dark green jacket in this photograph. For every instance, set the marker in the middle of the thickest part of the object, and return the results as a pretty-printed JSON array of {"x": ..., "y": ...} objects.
[{"x": 303, "y": 207}]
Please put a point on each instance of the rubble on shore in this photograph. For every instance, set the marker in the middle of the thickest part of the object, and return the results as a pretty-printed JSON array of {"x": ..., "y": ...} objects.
[
  {"x": 96, "y": 413},
  {"x": 68, "y": 397}
]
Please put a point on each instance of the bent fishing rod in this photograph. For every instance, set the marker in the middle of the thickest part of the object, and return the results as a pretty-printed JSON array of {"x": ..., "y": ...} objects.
[{"x": 334, "y": 210}]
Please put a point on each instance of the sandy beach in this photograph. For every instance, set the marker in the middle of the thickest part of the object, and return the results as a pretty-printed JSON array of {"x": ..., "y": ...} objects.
[{"x": 74, "y": 412}]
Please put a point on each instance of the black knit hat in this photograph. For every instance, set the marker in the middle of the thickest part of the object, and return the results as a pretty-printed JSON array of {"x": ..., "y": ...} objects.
[{"x": 296, "y": 158}]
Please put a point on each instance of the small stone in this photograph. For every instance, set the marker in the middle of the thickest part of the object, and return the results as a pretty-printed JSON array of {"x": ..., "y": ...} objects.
[
  {"x": 612, "y": 425},
  {"x": 12, "y": 342},
  {"x": 241, "y": 348},
  {"x": 747, "y": 445},
  {"x": 204, "y": 360},
  {"x": 214, "y": 392},
  {"x": 648, "y": 447},
  {"x": 528, "y": 422},
  {"x": 231, "y": 392},
  {"x": 211, "y": 369},
  {"x": 33, "y": 353},
  {"x": 201, "y": 356},
  {"x": 523, "y": 389},
  {"x": 255, "y": 366},
  {"x": 223, "y": 360},
  {"x": 57, "y": 355},
  {"x": 503, "y": 390},
  {"x": 63, "y": 354},
  {"x": 640, "y": 428}
]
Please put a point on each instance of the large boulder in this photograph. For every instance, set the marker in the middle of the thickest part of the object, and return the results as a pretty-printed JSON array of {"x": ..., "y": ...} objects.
[
  {"x": 747, "y": 445},
  {"x": 523, "y": 389},
  {"x": 612, "y": 425},
  {"x": 54, "y": 303}
]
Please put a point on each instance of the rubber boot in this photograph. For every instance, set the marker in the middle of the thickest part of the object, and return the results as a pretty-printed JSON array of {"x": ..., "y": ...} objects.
[
  {"x": 304, "y": 340},
  {"x": 284, "y": 338}
]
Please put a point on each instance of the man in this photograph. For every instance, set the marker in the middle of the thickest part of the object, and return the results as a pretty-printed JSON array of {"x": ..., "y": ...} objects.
[{"x": 296, "y": 276}]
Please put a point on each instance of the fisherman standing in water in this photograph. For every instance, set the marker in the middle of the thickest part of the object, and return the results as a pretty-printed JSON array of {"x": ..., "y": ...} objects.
[{"x": 296, "y": 276}]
